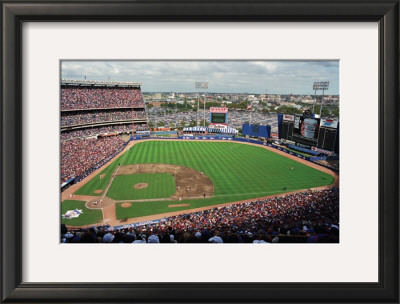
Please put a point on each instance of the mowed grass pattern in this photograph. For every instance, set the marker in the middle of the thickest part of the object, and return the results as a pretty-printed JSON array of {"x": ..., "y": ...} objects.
[
  {"x": 238, "y": 172},
  {"x": 233, "y": 168},
  {"x": 88, "y": 216},
  {"x": 160, "y": 185}
]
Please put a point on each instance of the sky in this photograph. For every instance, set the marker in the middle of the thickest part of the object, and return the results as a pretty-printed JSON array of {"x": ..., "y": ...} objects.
[{"x": 258, "y": 77}]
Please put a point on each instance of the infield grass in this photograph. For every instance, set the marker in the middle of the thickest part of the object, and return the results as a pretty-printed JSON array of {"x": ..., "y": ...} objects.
[
  {"x": 238, "y": 172},
  {"x": 160, "y": 185}
]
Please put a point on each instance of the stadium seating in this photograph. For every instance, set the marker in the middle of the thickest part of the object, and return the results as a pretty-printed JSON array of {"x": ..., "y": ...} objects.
[
  {"x": 87, "y": 98},
  {"x": 80, "y": 155},
  {"x": 88, "y": 112}
]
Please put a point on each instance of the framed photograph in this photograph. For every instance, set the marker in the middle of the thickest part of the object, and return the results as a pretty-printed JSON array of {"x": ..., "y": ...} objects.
[
  {"x": 218, "y": 130},
  {"x": 143, "y": 164}
]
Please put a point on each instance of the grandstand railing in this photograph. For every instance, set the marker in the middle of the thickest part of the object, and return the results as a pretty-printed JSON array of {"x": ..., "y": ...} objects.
[
  {"x": 108, "y": 122},
  {"x": 139, "y": 106}
]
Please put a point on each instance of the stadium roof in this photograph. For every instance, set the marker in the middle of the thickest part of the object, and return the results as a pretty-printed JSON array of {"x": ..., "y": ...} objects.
[{"x": 94, "y": 83}]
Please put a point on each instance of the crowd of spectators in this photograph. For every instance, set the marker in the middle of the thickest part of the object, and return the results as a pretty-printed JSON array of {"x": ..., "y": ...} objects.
[
  {"x": 86, "y": 98},
  {"x": 308, "y": 217},
  {"x": 87, "y": 132},
  {"x": 142, "y": 127},
  {"x": 96, "y": 116},
  {"x": 78, "y": 156}
]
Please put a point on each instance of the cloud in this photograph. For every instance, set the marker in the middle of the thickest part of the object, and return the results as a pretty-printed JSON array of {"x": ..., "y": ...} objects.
[{"x": 239, "y": 76}]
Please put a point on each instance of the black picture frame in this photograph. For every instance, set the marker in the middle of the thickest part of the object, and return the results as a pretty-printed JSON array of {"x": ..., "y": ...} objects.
[{"x": 15, "y": 13}]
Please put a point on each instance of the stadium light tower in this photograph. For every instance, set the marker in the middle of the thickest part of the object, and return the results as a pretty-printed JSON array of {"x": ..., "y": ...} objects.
[
  {"x": 318, "y": 86},
  {"x": 201, "y": 85}
]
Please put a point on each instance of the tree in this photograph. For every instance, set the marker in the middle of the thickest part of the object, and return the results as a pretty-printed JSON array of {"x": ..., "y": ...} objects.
[
  {"x": 149, "y": 106},
  {"x": 160, "y": 123},
  {"x": 289, "y": 110},
  {"x": 193, "y": 123},
  {"x": 183, "y": 124},
  {"x": 204, "y": 121},
  {"x": 151, "y": 124}
]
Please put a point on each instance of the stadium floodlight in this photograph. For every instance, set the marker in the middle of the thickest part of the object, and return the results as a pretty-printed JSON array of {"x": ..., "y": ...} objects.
[
  {"x": 320, "y": 86},
  {"x": 201, "y": 85}
]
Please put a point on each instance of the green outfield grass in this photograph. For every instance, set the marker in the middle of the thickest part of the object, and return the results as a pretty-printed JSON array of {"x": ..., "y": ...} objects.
[
  {"x": 238, "y": 171},
  {"x": 88, "y": 216},
  {"x": 160, "y": 185}
]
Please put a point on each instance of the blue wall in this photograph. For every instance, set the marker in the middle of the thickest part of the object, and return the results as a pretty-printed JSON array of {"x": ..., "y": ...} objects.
[
  {"x": 263, "y": 131},
  {"x": 280, "y": 119},
  {"x": 303, "y": 150}
]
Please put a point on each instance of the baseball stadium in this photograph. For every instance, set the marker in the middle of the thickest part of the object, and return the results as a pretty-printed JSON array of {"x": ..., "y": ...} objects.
[{"x": 122, "y": 182}]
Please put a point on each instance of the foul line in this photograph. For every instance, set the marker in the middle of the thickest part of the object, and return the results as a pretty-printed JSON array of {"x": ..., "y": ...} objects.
[
  {"x": 201, "y": 197},
  {"x": 113, "y": 176}
]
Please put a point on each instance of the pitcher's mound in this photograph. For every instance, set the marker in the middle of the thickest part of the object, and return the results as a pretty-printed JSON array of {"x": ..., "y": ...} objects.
[
  {"x": 141, "y": 186},
  {"x": 126, "y": 205},
  {"x": 98, "y": 191}
]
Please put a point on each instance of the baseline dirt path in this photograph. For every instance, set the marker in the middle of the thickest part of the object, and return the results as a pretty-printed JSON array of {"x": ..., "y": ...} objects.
[
  {"x": 109, "y": 215},
  {"x": 109, "y": 211}
]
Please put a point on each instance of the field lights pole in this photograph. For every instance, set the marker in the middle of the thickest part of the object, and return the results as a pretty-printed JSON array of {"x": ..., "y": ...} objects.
[
  {"x": 204, "y": 114},
  {"x": 325, "y": 86},
  {"x": 320, "y": 85},
  {"x": 205, "y": 86},
  {"x": 201, "y": 85},
  {"x": 198, "y": 87},
  {"x": 315, "y": 98}
]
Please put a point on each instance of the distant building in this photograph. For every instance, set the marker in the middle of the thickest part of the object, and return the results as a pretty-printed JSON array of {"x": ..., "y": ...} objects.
[{"x": 155, "y": 104}]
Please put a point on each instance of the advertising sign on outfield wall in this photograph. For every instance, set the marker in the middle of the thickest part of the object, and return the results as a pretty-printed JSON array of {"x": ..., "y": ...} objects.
[
  {"x": 297, "y": 121},
  {"x": 329, "y": 123},
  {"x": 288, "y": 117},
  {"x": 321, "y": 150}
]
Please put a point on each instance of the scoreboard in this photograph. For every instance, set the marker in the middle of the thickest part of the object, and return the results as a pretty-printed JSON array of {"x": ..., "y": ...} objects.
[
  {"x": 309, "y": 131},
  {"x": 218, "y": 117}
]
